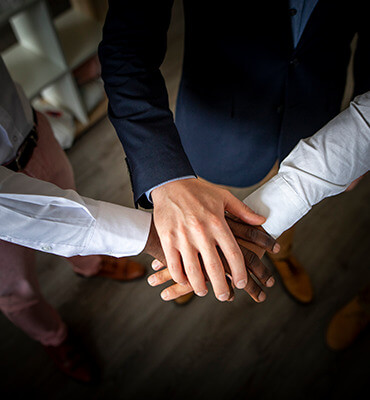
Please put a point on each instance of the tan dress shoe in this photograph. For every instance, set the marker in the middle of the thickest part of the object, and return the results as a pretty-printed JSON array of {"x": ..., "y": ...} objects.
[
  {"x": 185, "y": 299},
  {"x": 120, "y": 269},
  {"x": 294, "y": 278},
  {"x": 349, "y": 322}
]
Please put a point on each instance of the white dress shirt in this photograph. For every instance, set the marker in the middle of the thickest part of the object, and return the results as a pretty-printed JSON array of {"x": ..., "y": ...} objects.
[
  {"x": 320, "y": 166},
  {"x": 40, "y": 215}
]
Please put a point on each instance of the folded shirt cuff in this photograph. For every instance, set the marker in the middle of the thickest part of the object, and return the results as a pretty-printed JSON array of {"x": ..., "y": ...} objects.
[
  {"x": 119, "y": 231},
  {"x": 279, "y": 203}
]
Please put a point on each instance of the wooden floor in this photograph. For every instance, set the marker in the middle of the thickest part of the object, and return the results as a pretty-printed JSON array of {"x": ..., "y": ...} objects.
[{"x": 149, "y": 349}]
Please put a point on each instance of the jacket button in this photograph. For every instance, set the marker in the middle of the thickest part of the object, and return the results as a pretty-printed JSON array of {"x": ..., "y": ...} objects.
[
  {"x": 294, "y": 62},
  {"x": 292, "y": 12}
]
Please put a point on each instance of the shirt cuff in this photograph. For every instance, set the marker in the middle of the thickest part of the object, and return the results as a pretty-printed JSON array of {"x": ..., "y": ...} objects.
[
  {"x": 119, "y": 231},
  {"x": 279, "y": 203},
  {"x": 148, "y": 192}
]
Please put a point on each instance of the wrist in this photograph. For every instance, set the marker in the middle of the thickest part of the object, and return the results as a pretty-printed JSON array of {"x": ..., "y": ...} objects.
[
  {"x": 153, "y": 244},
  {"x": 162, "y": 190}
]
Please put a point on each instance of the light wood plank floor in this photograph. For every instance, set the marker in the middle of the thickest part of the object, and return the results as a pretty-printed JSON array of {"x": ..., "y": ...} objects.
[{"x": 149, "y": 349}]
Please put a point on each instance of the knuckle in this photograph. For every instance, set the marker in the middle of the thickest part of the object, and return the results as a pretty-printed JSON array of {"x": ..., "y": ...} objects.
[
  {"x": 191, "y": 269},
  {"x": 195, "y": 225},
  {"x": 235, "y": 254},
  {"x": 252, "y": 259},
  {"x": 252, "y": 233},
  {"x": 168, "y": 237},
  {"x": 212, "y": 268},
  {"x": 175, "y": 271},
  {"x": 200, "y": 229},
  {"x": 192, "y": 220},
  {"x": 215, "y": 221}
]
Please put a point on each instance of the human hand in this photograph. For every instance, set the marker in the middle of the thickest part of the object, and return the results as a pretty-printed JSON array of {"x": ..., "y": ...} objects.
[
  {"x": 355, "y": 182},
  {"x": 189, "y": 216},
  {"x": 253, "y": 242},
  {"x": 153, "y": 245}
]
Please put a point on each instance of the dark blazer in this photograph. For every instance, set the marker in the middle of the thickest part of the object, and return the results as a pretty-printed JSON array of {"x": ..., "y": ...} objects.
[{"x": 246, "y": 95}]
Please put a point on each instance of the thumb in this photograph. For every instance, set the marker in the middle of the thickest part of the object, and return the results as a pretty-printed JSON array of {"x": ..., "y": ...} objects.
[{"x": 242, "y": 211}]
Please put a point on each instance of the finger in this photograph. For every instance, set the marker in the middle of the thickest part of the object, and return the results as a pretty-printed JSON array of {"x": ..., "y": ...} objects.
[
  {"x": 251, "y": 288},
  {"x": 157, "y": 265},
  {"x": 234, "y": 257},
  {"x": 253, "y": 234},
  {"x": 257, "y": 267},
  {"x": 174, "y": 291},
  {"x": 174, "y": 265},
  {"x": 257, "y": 294},
  {"x": 231, "y": 288},
  {"x": 159, "y": 277},
  {"x": 215, "y": 272},
  {"x": 193, "y": 270},
  {"x": 242, "y": 211}
]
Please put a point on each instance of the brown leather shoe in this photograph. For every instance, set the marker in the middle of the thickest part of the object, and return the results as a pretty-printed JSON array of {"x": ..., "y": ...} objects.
[
  {"x": 294, "y": 278},
  {"x": 72, "y": 360},
  {"x": 120, "y": 269},
  {"x": 185, "y": 299},
  {"x": 348, "y": 323}
]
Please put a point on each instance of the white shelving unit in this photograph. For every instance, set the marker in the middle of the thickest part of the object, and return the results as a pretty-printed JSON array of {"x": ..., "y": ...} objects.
[
  {"x": 79, "y": 36},
  {"x": 48, "y": 50}
]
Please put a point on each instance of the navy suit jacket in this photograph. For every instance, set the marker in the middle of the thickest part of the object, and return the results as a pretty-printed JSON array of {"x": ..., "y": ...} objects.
[{"x": 246, "y": 97}]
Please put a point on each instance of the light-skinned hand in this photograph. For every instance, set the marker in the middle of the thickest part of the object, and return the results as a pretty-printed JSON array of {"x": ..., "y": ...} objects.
[
  {"x": 252, "y": 241},
  {"x": 189, "y": 216}
]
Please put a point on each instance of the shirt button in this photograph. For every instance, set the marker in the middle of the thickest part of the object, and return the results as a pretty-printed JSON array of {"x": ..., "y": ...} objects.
[
  {"x": 46, "y": 248},
  {"x": 294, "y": 62},
  {"x": 280, "y": 109},
  {"x": 15, "y": 139},
  {"x": 292, "y": 12}
]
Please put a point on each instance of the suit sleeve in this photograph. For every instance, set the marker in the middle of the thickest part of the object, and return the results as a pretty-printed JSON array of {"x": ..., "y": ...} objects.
[
  {"x": 132, "y": 49},
  {"x": 361, "y": 68}
]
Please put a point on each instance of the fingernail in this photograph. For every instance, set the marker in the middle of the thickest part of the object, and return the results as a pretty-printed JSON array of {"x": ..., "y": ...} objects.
[
  {"x": 224, "y": 296},
  {"x": 165, "y": 295},
  {"x": 203, "y": 293},
  {"x": 156, "y": 264},
  {"x": 241, "y": 284},
  {"x": 152, "y": 280},
  {"x": 276, "y": 248},
  {"x": 183, "y": 283},
  {"x": 261, "y": 296},
  {"x": 270, "y": 282}
]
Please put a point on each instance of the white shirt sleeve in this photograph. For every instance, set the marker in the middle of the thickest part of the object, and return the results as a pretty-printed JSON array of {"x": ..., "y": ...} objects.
[
  {"x": 40, "y": 215},
  {"x": 320, "y": 166}
]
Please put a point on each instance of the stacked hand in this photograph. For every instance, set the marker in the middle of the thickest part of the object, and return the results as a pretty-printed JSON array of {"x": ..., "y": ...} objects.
[
  {"x": 202, "y": 242},
  {"x": 253, "y": 243}
]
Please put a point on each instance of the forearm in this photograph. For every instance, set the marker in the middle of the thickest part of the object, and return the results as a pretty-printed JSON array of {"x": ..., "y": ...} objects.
[
  {"x": 131, "y": 52},
  {"x": 320, "y": 166},
  {"x": 40, "y": 215}
]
